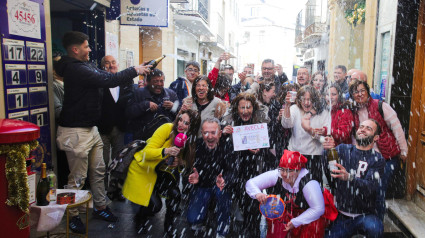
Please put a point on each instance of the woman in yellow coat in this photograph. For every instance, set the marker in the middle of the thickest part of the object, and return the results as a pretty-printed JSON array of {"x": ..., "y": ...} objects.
[{"x": 145, "y": 178}]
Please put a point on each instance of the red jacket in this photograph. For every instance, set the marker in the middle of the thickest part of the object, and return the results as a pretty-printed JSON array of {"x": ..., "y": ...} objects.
[
  {"x": 342, "y": 123},
  {"x": 387, "y": 143},
  {"x": 213, "y": 76}
]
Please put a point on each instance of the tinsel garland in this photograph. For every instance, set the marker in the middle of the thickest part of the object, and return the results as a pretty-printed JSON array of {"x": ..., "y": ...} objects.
[{"x": 16, "y": 173}]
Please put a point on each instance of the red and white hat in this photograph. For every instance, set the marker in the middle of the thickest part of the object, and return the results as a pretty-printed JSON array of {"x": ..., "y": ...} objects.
[{"x": 292, "y": 160}]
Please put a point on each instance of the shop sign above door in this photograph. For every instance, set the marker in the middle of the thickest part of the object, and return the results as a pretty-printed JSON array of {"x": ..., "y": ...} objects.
[{"x": 144, "y": 13}]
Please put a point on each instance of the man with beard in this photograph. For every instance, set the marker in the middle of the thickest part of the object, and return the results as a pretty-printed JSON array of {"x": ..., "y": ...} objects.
[
  {"x": 211, "y": 178},
  {"x": 151, "y": 106},
  {"x": 356, "y": 184},
  {"x": 392, "y": 142}
]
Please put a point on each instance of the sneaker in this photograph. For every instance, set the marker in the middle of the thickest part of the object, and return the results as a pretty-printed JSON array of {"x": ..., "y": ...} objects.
[
  {"x": 76, "y": 225},
  {"x": 104, "y": 214}
]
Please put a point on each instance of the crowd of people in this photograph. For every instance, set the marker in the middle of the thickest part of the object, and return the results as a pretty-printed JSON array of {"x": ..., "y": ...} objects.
[{"x": 304, "y": 119}]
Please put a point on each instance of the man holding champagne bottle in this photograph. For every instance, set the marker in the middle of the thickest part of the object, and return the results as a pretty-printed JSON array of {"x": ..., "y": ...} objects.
[
  {"x": 357, "y": 179},
  {"x": 77, "y": 133}
]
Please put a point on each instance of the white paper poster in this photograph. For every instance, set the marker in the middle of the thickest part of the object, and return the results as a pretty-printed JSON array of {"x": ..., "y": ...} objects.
[
  {"x": 24, "y": 18},
  {"x": 31, "y": 185},
  {"x": 144, "y": 13},
  {"x": 253, "y": 136},
  {"x": 111, "y": 47}
]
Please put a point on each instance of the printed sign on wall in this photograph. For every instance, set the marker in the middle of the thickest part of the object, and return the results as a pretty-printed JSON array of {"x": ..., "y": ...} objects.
[
  {"x": 24, "y": 18},
  {"x": 144, "y": 13}
]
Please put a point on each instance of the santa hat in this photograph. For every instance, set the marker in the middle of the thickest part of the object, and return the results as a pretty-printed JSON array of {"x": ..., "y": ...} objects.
[{"x": 292, "y": 160}]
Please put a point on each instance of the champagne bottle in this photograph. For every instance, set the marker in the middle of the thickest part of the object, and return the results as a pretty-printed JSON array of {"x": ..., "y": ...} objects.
[
  {"x": 333, "y": 158},
  {"x": 155, "y": 62},
  {"x": 43, "y": 188}
]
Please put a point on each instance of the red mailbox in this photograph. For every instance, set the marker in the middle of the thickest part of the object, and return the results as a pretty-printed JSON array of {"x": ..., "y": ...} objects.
[{"x": 14, "y": 222}]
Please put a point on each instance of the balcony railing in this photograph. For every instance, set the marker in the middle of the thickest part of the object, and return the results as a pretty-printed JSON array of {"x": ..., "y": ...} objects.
[
  {"x": 198, "y": 8},
  {"x": 315, "y": 29}
]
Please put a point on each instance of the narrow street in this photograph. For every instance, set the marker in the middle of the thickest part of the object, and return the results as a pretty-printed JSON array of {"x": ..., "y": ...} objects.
[{"x": 124, "y": 228}]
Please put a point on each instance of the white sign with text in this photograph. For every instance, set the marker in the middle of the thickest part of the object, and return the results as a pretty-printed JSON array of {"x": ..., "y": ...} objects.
[
  {"x": 253, "y": 136},
  {"x": 144, "y": 13}
]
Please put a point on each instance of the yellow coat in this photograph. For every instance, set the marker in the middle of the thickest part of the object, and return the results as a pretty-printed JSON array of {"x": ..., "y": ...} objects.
[{"x": 141, "y": 176}]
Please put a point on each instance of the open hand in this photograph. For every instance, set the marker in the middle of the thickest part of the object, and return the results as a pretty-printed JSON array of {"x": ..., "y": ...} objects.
[{"x": 194, "y": 177}]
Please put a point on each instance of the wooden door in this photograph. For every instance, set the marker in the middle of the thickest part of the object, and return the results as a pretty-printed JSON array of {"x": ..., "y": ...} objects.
[{"x": 416, "y": 142}]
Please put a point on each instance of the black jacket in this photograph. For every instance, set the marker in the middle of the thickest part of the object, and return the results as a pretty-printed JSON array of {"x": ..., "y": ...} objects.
[
  {"x": 211, "y": 163},
  {"x": 113, "y": 113},
  {"x": 138, "y": 109},
  {"x": 82, "y": 82}
]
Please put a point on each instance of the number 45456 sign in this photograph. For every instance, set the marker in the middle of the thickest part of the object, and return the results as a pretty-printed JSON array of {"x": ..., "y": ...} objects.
[{"x": 24, "y": 18}]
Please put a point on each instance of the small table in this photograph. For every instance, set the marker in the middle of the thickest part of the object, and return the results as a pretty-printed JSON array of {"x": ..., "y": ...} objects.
[
  {"x": 46, "y": 218},
  {"x": 81, "y": 201}
]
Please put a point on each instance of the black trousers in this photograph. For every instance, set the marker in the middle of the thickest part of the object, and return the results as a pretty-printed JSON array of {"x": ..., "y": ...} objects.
[{"x": 165, "y": 186}]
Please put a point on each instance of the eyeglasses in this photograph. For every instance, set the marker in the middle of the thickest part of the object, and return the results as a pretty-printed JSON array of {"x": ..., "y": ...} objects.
[
  {"x": 264, "y": 68},
  {"x": 361, "y": 91},
  {"x": 347, "y": 77},
  {"x": 286, "y": 170},
  {"x": 192, "y": 70}
]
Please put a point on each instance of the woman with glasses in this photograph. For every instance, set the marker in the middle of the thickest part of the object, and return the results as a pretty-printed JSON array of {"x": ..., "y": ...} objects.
[
  {"x": 309, "y": 122},
  {"x": 245, "y": 110},
  {"x": 392, "y": 141},
  {"x": 153, "y": 171},
  {"x": 203, "y": 101},
  {"x": 303, "y": 198}
]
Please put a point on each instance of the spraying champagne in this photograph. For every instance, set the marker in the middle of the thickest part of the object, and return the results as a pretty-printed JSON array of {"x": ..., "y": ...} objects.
[{"x": 155, "y": 62}]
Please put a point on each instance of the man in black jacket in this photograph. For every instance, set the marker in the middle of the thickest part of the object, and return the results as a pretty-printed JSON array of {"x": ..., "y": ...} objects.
[
  {"x": 151, "y": 106},
  {"x": 211, "y": 177},
  {"x": 77, "y": 133},
  {"x": 112, "y": 123}
]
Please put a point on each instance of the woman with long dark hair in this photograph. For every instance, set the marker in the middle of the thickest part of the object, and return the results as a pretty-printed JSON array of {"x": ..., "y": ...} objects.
[
  {"x": 342, "y": 117},
  {"x": 147, "y": 176},
  {"x": 203, "y": 100},
  {"x": 245, "y": 110},
  {"x": 279, "y": 136}
]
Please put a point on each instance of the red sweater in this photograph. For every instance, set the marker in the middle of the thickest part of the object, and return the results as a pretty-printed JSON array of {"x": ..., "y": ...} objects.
[
  {"x": 342, "y": 123},
  {"x": 213, "y": 76},
  {"x": 387, "y": 142}
]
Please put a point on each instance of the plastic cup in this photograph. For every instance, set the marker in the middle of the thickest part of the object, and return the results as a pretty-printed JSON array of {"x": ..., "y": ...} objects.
[{"x": 293, "y": 96}]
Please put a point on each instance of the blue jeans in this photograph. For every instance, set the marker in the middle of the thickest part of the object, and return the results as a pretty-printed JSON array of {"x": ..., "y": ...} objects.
[
  {"x": 198, "y": 206},
  {"x": 391, "y": 165},
  {"x": 368, "y": 225}
]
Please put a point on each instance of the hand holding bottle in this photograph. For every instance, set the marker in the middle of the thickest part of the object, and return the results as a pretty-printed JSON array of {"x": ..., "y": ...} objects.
[{"x": 142, "y": 69}]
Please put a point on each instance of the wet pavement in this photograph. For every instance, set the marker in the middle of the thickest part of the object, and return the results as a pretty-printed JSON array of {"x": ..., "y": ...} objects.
[{"x": 125, "y": 228}]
